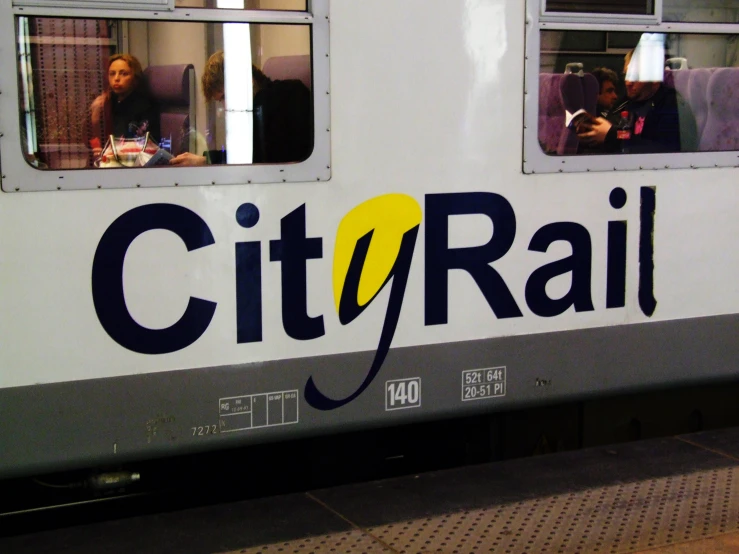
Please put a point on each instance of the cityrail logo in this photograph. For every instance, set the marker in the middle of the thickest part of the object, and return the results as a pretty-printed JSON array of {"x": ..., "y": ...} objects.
[
  {"x": 374, "y": 245},
  {"x": 374, "y": 248}
]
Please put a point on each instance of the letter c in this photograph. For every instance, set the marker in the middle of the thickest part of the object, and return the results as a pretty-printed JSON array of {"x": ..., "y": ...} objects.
[{"x": 107, "y": 279}]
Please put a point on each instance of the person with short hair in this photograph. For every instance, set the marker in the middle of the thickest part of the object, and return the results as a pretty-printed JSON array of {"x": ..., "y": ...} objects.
[
  {"x": 283, "y": 117},
  {"x": 607, "y": 95},
  {"x": 212, "y": 81},
  {"x": 652, "y": 112}
]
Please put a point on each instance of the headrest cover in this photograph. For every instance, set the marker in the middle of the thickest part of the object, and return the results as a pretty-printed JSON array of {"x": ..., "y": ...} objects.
[
  {"x": 169, "y": 84},
  {"x": 280, "y": 68}
]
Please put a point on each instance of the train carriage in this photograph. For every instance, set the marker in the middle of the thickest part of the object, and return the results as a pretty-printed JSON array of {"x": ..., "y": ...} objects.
[{"x": 452, "y": 243}]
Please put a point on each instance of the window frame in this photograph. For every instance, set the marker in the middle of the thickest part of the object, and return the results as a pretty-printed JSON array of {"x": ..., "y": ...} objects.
[
  {"x": 18, "y": 176},
  {"x": 534, "y": 158},
  {"x": 98, "y": 4},
  {"x": 624, "y": 19}
]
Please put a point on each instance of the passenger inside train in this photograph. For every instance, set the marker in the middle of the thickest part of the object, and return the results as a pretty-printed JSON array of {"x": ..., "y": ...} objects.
[
  {"x": 647, "y": 120},
  {"x": 677, "y": 95},
  {"x": 282, "y": 116},
  {"x": 607, "y": 94},
  {"x": 125, "y": 109},
  {"x": 126, "y": 93},
  {"x": 125, "y": 113}
]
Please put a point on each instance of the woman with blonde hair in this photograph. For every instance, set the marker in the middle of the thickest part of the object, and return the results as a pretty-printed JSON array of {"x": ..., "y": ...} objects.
[{"x": 125, "y": 109}]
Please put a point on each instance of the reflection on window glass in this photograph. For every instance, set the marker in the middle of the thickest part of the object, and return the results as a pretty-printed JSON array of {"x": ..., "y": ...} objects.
[
  {"x": 184, "y": 94},
  {"x": 632, "y": 7},
  {"x": 564, "y": 41},
  {"x": 701, "y": 11},
  {"x": 291, "y": 5},
  {"x": 58, "y": 79},
  {"x": 658, "y": 93}
]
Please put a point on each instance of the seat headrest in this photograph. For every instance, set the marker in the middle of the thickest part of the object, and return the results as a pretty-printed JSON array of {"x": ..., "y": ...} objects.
[
  {"x": 723, "y": 93},
  {"x": 169, "y": 84},
  {"x": 669, "y": 79},
  {"x": 280, "y": 68}
]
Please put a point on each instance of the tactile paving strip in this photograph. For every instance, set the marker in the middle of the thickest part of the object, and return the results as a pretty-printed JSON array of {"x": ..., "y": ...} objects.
[
  {"x": 335, "y": 543},
  {"x": 615, "y": 519},
  {"x": 631, "y": 517}
]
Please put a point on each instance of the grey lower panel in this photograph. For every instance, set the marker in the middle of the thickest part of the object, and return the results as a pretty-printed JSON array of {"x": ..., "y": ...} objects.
[
  {"x": 622, "y": 498},
  {"x": 86, "y": 423}
]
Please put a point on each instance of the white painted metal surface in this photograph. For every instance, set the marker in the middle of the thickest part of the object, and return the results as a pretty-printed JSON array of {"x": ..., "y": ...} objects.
[{"x": 426, "y": 98}]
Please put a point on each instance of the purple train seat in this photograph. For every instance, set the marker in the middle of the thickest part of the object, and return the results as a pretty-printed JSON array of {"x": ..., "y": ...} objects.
[
  {"x": 578, "y": 93},
  {"x": 289, "y": 67},
  {"x": 573, "y": 100},
  {"x": 680, "y": 81},
  {"x": 591, "y": 89},
  {"x": 692, "y": 86},
  {"x": 721, "y": 131},
  {"x": 558, "y": 94},
  {"x": 698, "y": 96},
  {"x": 551, "y": 112},
  {"x": 172, "y": 86}
]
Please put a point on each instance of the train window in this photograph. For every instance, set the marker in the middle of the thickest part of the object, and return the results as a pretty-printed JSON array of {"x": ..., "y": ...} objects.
[
  {"x": 291, "y": 5},
  {"x": 109, "y": 102},
  {"x": 610, "y": 97},
  {"x": 111, "y": 4},
  {"x": 701, "y": 11},
  {"x": 634, "y": 7}
]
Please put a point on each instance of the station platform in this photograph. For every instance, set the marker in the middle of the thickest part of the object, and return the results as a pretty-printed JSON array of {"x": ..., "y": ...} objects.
[{"x": 676, "y": 495}]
